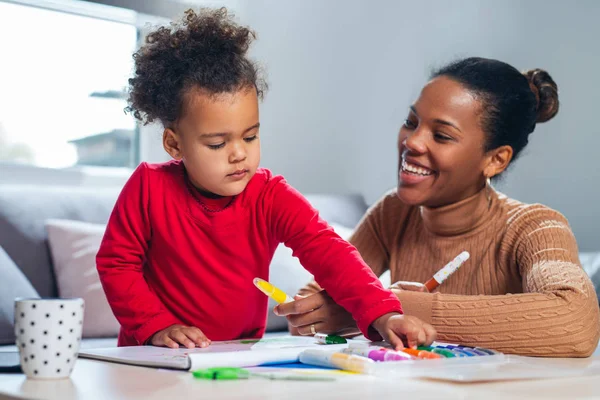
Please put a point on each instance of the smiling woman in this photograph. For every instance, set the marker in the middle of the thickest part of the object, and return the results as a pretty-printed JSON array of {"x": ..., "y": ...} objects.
[{"x": 523, "y": 289}]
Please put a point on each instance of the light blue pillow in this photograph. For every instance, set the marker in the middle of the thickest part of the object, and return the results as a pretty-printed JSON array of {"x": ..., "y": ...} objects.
[{"x": 12, "y": 284}]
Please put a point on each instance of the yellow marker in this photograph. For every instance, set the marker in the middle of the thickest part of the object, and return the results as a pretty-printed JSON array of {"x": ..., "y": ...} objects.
[{"x": 276, "y": 294}]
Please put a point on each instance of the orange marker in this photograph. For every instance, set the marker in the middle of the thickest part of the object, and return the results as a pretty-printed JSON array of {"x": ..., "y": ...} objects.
[
  {"x": 422, "y": 354},
  {"x": 445, "y": 272}
]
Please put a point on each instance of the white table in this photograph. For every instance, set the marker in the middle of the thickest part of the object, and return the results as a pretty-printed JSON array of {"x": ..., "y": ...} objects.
[{"x": 101, "y": 380}]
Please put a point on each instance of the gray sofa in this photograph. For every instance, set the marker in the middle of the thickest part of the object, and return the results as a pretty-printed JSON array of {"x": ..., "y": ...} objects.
[{"x": 24, "y": 210}]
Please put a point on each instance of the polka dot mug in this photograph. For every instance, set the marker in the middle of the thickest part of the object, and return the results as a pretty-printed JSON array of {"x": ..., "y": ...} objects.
[{"x": 48, "y": 333}]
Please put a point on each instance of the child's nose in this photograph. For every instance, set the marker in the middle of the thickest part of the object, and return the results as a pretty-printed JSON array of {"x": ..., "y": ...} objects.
[{"x": 238, "y": 154}]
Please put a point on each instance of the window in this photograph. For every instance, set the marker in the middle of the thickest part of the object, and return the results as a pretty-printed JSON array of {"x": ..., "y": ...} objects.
[{"x": 62, "y": 82}]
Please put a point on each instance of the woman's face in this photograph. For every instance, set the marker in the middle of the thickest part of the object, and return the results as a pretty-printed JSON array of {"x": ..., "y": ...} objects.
[{"x": 441, "y": 146}]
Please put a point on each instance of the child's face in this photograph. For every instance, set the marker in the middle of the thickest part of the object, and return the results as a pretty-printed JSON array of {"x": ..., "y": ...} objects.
[{"x": 217, "y": 139}]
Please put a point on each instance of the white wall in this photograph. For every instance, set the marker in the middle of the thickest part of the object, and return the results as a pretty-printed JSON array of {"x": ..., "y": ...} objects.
[{"x": 343, "y": 72}]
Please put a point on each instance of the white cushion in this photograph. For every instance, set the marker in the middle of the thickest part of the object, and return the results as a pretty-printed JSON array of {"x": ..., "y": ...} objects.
[{"x": 74, "y": 245}]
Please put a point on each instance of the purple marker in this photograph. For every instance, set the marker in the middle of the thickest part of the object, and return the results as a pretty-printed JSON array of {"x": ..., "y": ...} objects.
[{"x": 378, "y": 354}]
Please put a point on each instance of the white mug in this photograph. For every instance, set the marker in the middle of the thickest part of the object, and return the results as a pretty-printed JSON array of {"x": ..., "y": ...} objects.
[{"x": 48, "y": 333}]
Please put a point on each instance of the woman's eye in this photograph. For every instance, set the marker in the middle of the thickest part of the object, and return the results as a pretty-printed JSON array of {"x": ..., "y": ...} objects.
[
  {"x": 216, "y": 146},
  {"x": 442, "y": 137},
  {"x": 409, "y": 124},
  {"x": 250, "y": 138}
]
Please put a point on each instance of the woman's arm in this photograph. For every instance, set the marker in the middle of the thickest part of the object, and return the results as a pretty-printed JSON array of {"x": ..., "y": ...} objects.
[{"x": 555, "y": 316}]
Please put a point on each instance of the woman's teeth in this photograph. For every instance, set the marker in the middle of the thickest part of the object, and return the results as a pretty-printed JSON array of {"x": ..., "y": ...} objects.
[{"x": 415, "y": 169}]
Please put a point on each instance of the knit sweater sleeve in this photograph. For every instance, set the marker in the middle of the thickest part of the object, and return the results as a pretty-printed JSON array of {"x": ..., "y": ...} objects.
[
  {"x": 370, "y": 238},
  {"x": 556, "y": 315}
]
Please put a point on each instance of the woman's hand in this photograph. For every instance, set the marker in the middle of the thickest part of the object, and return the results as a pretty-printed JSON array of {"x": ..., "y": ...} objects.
[
  {"x": 315, "y": 313},
  {"x": 174, "y": 335},
  {"x": 404, "y": 330},
  {"x": 410, "y": 286}
]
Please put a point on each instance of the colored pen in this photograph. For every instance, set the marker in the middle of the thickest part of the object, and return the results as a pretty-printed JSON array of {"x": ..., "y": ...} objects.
[
  {"x": 227, "y": 374},
  {"x": 273, "y": 292},
  {"x": 347, "y": 362},
  {"x": 423, "y": 354},
  {"x": 445, "y": 272},
  {"x": 444, "y": 352},
  {"x": 324, "y": 338},
  {"x": 469, "y": 351},
  {"x": 480, "y": 351},
  {"x": 378, "y": 354}
]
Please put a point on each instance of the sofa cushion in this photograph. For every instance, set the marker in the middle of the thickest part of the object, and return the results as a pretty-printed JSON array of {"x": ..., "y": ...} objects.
[
  {"x": 14, "y": 284},
  {"x": 342, "y": 209},
  {"x": 74, "y": 245},
  {"x": 23, "y": 212}
]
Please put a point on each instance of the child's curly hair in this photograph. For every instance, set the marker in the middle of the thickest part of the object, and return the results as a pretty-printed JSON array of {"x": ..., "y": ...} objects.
[{"x": 205, "y": 50}]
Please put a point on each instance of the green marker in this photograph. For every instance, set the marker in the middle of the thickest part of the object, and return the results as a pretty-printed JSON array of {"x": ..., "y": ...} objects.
[
  {"x": 221, "y": 374},
  {"x": 324, "y": 338},
  {"x": 229, "y": 374},
  {"x": 444, "y": 352},
  {"x": 426, "y": 348}
]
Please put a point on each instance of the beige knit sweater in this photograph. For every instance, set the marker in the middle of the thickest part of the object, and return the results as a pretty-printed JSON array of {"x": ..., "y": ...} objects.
[{"x": 522, "y": 291}]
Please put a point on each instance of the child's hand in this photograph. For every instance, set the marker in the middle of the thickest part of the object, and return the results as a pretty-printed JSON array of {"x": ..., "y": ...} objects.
[
  {"x": 189, "y": 336},
  {"x": 396, "y": 328}
]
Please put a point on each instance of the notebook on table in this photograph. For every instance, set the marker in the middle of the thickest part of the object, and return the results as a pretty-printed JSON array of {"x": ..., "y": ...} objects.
[{"x": 232, "y": 353}]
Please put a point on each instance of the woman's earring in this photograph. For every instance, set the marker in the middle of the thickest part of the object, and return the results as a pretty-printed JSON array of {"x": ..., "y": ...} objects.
[{"x": 488, "y": 190}]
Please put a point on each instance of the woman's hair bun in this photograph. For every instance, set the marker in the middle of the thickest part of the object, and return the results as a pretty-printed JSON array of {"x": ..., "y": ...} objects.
[{"x": 546, "y": 93}]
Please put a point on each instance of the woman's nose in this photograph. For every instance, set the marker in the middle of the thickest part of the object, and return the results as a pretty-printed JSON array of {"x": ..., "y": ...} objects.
[{"x": 416, "y": 141}]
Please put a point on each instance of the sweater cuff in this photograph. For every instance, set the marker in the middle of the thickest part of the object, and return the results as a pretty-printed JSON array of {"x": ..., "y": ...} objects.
[
  {"x": 417, "y": 304},
  {"x": 379, "y": 309},
  {"x": 155, "y": 324}
]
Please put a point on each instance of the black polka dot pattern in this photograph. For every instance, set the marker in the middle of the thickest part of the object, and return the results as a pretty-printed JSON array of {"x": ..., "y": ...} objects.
[{"x": 48, "y": 336}]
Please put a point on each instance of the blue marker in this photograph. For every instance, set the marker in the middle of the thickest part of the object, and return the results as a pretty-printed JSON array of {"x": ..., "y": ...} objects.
[{"x": 469, "y": 353}]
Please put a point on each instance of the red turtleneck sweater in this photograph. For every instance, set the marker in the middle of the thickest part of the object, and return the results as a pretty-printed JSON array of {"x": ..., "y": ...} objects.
[{"x": 168, "y": 258}]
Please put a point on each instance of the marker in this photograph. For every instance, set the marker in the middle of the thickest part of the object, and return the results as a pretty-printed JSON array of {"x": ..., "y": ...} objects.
[
  {"x": 480, "y": 351},
  {"x": 422, "y": 354},
  {"x": 275, "y": 293},
  {"x": 228, "y": 374},
  {"x": 347, "y": 362},
  {"x": 468, "y": 352},
  {"x": 379, "y": 354},
  {"x": 488, "y": 351},
  {"x": 444, "y": 352},
  {"x": 445, "y": 272},
  {"x": 324, "y": 338}
]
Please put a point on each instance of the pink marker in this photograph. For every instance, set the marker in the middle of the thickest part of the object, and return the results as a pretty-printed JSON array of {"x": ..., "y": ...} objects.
[{"x": 378, "y": 354}]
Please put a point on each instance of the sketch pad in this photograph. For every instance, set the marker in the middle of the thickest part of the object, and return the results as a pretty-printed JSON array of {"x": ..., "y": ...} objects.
[{"x": 232, "y": 353}]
